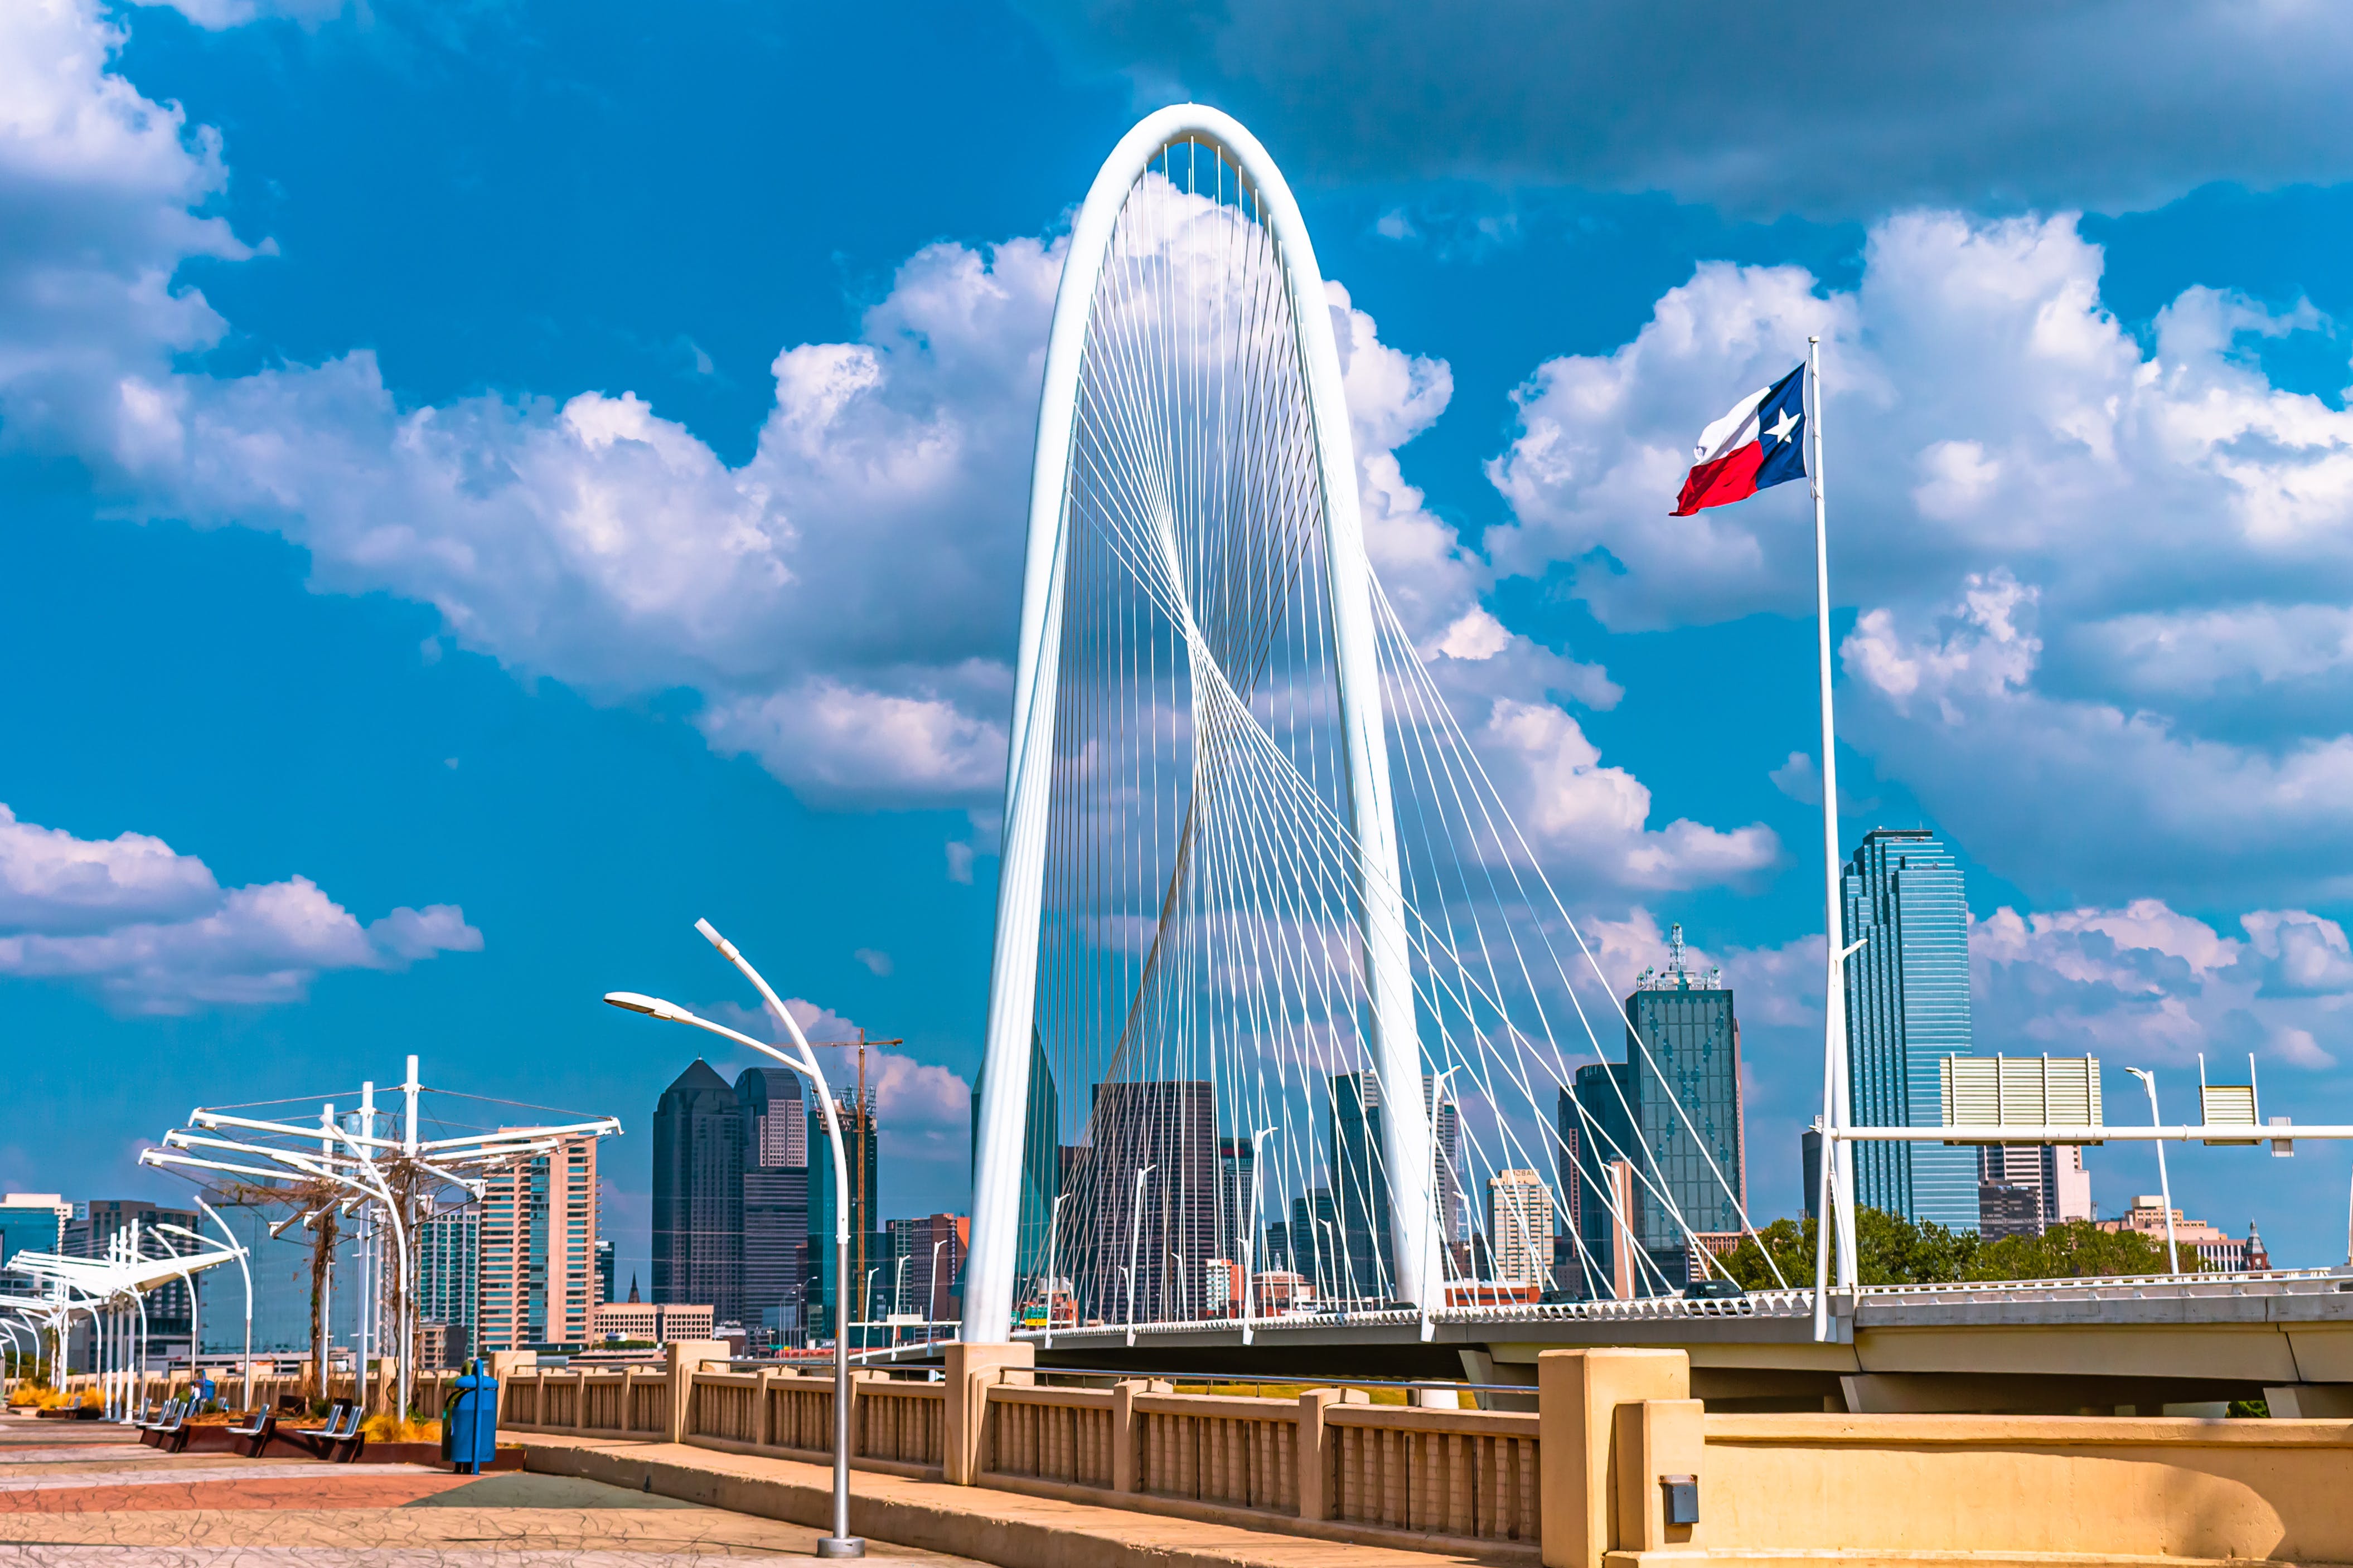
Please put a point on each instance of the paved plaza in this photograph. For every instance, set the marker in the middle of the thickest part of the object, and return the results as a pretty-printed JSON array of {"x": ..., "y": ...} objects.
[{"x": 75, "y": 1493}]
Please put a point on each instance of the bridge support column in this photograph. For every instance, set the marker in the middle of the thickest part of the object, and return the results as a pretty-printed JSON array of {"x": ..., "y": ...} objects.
[
  {"x": 1579, "y": 1396},
  {"x": 971, "y": 1369}
]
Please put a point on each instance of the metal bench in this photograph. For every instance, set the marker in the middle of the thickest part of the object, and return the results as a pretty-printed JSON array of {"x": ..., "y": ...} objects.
[
  {"x": 171, "y": 1433},
  {"x": 339, "y": 1441},
  {"x": 253, "y": 1435},
  {"x": 152, "y": 1421}
]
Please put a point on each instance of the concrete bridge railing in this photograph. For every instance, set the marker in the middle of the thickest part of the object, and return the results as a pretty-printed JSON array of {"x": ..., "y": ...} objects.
[{"x": 1597, "y": 1477}]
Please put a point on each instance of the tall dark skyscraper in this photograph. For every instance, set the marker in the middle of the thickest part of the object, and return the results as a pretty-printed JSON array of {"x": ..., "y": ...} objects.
[
  {"x": 1360, "y": 1188},
  {"x": 1672, "y": 1110},
  {"x": 698, "y": 1230},
  {"x": 1041, "y": 1169},
  {"x": 776, "y": 1191},
  {"x": 1908, "y": 1005},
  {"x": 1169, "y": 1126},
  {"x": 859, "y": 1138}
]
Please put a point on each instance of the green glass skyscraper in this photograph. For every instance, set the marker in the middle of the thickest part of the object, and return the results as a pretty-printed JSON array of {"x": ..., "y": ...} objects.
[{"x": 1908, "y": 1005}]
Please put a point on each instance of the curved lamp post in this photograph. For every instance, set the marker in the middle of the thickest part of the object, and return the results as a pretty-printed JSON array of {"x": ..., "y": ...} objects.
[{"x": 841, "y": 1543}]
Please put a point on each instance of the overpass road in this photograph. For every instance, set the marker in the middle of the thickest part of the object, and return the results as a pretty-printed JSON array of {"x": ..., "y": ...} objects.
[{"x": 2098, "y": 1346}]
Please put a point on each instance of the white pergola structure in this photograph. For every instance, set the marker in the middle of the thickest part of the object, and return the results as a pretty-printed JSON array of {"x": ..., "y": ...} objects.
[
  {"x": 112, "y": 1289},
  {"x": 388, "y": 1178}
]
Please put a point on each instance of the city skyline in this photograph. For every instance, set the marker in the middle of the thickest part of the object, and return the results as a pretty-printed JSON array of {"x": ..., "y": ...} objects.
[{"x": 395, "y": 705}]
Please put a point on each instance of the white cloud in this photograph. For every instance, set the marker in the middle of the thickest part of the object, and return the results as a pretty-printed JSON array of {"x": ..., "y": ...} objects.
[
  {"x": 876, "y": 962},
  {"x": 1592, "y": 821},
  {"x": 1844, "y": 108},
  {"x": 2145, "y": 984},
  {"x": 2102, "y": 638},
  {"x": 152, "y": 931}
]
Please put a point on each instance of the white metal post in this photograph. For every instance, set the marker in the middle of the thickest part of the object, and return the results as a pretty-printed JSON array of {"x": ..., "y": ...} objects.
[
  {"x": 1134, "y": 1235},
  {"x": 1837, "y": 1089},
  {"x": 2164, "y": 1184}
]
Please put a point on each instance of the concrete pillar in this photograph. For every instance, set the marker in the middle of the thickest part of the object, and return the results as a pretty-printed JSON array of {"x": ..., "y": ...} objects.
[
  {"x": 1122, "y": 1436},
  {"x": 683, "y": 1359},
  {"x": 1314, "y": 1454},
  {"x": 971, "y": 1369},
  {"x": 1654, "y": 1439},
  {"x": 1578, "y": 1395},
  {"x": 503, "y": 1364}
]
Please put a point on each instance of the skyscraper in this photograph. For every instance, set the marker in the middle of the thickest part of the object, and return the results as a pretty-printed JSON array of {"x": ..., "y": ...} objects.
[
  {"x": 1908, "y": 1005},
  {"x": 449, "y": 1264},
  {"x": 96, "y": 1224},
  {"x": 32, "y": 1222},
  {"x": 776, "y": 1193},
  {"x": 698, "y": 1229},
  {"x": 1683, "y": 1040},
  {"x": 538, "y": 1250},
  {"x": 820, "y": 1291},
  {"x": 604, "y": 1271},
  {"x": 1166, "y": 1132},
  {"x": 1360, "y": 1188},
  {"x": 1596, "y": 1126},
  {"x": 1041, "y": 1166},
  {"x": 926, "y": 1260},
  {"x": 1671, "y": 1113},
  {"x": 1519, "y": 1226}
]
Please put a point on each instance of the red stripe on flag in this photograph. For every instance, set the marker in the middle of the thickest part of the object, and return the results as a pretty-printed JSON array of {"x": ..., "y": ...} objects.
[{"x": 1730, "y": 478}]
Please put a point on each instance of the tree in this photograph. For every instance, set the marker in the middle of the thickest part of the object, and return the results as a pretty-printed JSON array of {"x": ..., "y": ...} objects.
[
  {"x": 2074, "y": 1249},
  {"x": 1892, "y": 1250}
]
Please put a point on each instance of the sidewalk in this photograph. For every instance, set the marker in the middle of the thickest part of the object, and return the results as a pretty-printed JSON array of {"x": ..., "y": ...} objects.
[{"x": 1010, "y": 1529}]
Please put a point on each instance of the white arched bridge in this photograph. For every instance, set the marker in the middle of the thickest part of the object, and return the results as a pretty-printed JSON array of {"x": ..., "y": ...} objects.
[{"x": 1295, "y": 1048}]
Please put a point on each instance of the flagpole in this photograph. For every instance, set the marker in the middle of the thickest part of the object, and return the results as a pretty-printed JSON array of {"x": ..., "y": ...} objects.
[{"x": 1838, "y": 1156}]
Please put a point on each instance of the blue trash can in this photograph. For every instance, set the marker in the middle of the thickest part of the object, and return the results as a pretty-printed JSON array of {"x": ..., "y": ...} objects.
[{"x": 469, "y": 1422}]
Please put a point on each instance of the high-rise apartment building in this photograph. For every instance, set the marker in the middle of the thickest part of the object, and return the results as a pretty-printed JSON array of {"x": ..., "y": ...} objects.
[
  {"x": 926, "y": 1262},
  {"x": 605, "y": 1263},
  {"x": 449, "y": 1270},
  {"x": 1519, "y": 1226},
  {"x": 1907, "y": 1005},
  {"x": 698, "y": 1221},
  {"x": 537, "y": 1268},
  {"x": 775, "y": 1182}
]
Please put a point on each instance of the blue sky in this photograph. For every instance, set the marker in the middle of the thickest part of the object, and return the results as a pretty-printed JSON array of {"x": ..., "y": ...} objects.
[{"x": 487, "y": 486}]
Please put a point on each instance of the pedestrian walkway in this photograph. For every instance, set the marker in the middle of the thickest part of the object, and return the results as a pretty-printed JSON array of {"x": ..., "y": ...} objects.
[
  {"x": 1010, "y": 1529},
  {"x": 85, "y": 1495}
]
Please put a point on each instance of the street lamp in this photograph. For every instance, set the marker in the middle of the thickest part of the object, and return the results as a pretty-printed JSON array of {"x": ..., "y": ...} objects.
[
  {"x": 2164, "y": 1186},
  {"x": 932, "y": 1292},
  {"x": 866, "y": 1295},
  {"x": 898, "y": 1293},
  {"x": 841, "y": 1543},
  {"x": 1184, "y": 1292},
  {"x": 1250, "y": 1231},
  {"x": 1134, "y": 1235}
]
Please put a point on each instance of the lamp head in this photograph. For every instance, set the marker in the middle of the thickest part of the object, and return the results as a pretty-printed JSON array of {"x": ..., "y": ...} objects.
[{"x": 651, "y": 1006}]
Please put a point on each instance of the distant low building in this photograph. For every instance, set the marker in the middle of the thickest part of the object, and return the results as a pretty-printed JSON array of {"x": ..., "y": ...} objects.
[
  {"x": 2217, "y": 1250},
  {"x": 650, "y": 1323}
]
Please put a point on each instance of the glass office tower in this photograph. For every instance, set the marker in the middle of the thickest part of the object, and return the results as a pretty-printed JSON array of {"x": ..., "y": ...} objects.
[{"x": 1907, "y": 1003}]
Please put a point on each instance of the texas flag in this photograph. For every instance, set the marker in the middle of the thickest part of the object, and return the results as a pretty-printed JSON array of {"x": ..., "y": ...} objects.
[{"x": 1761, "y": 442}]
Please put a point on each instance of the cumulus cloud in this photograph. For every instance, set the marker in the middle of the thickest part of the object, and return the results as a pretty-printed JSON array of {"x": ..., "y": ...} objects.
[
  {"x": 2091, "y": 569},
  {"x": 2144, "y": 983},
  {"x": 1844, "y": 109},
  {"x": 151, "y": 931},
  {"x": 841, "y": 602}
]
